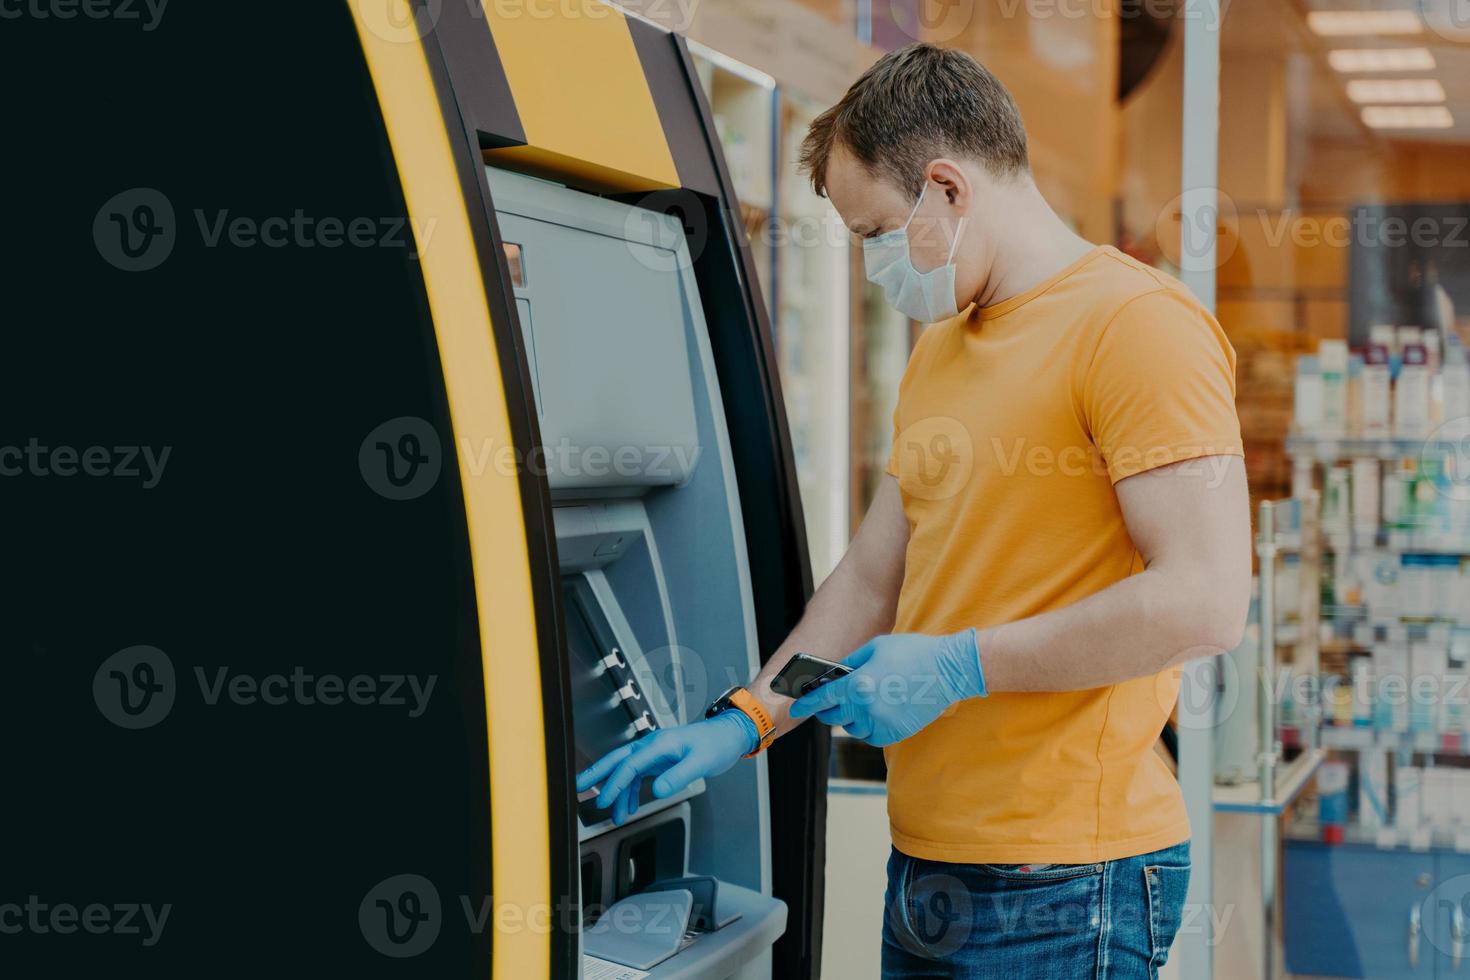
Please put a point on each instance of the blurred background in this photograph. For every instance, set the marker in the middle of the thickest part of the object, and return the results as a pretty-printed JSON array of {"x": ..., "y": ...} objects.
[{"x": 1342, "y": 206}]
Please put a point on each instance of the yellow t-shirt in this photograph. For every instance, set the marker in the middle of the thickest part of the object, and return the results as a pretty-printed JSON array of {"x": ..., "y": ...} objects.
[{"x": 1013, "y": 423}]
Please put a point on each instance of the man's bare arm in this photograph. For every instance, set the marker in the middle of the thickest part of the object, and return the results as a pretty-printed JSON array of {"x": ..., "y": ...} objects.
[
  {"x": 857, "y": 601},
  {"x": 1191, "y": 524}
]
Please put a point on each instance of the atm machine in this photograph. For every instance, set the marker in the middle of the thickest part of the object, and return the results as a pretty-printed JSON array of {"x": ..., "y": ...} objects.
[
  {"x": 680, "y": 558},
  {"x": 387, "y": 346},
  {"x": 655, "y": 580}
]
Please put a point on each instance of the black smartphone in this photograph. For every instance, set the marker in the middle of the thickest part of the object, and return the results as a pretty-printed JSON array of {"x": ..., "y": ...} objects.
[{"x": 804, "y": 673}]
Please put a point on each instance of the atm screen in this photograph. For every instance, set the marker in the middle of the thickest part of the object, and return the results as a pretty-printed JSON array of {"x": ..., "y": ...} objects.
[{"x": 602, "y": 720}]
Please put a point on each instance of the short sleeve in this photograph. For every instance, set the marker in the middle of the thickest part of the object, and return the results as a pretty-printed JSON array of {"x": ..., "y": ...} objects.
[{"x": 1160, "y": 387}]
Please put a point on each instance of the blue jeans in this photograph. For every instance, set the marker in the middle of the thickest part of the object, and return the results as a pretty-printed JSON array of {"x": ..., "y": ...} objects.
[{"x": 1114, "y": 920}]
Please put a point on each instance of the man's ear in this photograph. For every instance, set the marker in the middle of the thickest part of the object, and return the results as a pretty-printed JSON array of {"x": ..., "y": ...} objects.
[{"x": 951, "y": 177}]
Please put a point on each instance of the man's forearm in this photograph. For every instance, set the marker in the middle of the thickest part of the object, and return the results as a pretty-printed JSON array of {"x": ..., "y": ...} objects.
[
  {"x": 1136, "y": 628},
  {"x": 844, "y": 613}
]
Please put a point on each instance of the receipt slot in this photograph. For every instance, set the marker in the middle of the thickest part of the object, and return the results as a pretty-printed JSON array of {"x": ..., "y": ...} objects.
[{"x": 393, "y": 427}]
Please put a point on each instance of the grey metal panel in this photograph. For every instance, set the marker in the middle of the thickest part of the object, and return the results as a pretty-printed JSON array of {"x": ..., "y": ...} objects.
[{"x": 609, "y": 316}]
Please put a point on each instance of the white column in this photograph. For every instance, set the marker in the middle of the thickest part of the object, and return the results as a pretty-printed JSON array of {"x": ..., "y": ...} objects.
[{"x": 1194, "y": 949}]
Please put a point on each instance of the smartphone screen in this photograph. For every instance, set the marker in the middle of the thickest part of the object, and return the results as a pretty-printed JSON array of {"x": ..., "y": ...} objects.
[{"x": 804, "y": 673}]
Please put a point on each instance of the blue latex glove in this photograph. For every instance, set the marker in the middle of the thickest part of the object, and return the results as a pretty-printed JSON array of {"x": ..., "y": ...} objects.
[
  {"x": 678, "y": 756},
  {"x": 900, "y": 683}
]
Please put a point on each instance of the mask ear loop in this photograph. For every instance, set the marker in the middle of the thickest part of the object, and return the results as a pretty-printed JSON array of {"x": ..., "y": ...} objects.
[
  {"x": 922, "y": 191},
  {"x": 959, "y": 233}
]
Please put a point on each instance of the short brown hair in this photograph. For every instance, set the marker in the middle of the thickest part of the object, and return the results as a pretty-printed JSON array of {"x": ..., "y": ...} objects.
[{"x": 915, "y": 104}]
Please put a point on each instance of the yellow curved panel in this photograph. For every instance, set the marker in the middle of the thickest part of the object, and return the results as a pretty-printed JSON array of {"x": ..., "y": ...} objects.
[
  {"x": 520, "y": 826},
  {"x": 581, "y": 94}
]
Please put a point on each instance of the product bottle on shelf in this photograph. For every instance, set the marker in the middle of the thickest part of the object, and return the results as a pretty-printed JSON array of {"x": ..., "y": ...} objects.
[
  {"x": 1366, "y": 484},
  {"x": 1332, "y": 801},
  {"x": 1393, "y": 502},
  {"x": 1307, "y": 414},
  {"x": 1434, "y": 366},
  {"x": 1377, "y": 384},
  {"x": 1427, "y": 498},
  {"x": 1411, "y": 393},
  {"x": 1355, "y": 396},
  {"x": 1456, "y": 383},
  {"x": 1372, "y": 789},
  {"x": 1336, "y": 501},
  {"x": 1332, "y": 360},
  {"x": 1403, "y": 335}
]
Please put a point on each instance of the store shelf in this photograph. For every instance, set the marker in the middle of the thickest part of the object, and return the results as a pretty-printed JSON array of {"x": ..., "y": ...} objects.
[
  {"x": 1290, "y": 780},
  {"x": 1393, "y": 541},
  {"x": 1424, "y": 838},
  {"x": 1355, "y": 738},
  {"x": 1331, "y": 450},
  {"x": 1345, "y": 638}
]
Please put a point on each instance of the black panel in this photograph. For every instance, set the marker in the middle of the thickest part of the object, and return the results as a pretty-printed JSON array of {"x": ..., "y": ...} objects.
[
  {"x": 270, "y": 543},
  {"x": 663, "y": 66},
  {"x": 480, "y": 86},
  {"x": 653, "y": 854}
]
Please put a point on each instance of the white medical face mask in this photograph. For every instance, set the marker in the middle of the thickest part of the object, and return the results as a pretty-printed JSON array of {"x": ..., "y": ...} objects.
[{"x": 924, "y": 296}]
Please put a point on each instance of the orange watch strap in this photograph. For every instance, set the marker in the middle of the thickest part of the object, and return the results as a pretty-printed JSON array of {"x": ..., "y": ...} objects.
[{"x": 756, "y": 712}]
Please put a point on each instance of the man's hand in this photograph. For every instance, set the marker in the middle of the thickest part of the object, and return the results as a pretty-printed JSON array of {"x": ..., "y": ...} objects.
[
  {"x": 900, "y": 683},
  {"x": 681, "y": 755}
]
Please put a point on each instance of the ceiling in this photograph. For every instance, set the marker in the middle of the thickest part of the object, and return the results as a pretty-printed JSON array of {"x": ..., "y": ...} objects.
[{"x": 1280, "y": 26}]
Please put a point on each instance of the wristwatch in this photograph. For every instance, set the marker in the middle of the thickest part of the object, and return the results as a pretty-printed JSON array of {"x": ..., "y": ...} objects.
[{"x": 742, "y": 700}]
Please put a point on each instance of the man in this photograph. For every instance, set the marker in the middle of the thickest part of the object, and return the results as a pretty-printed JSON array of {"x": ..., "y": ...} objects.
[{"x": 1064, "y": 522}]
